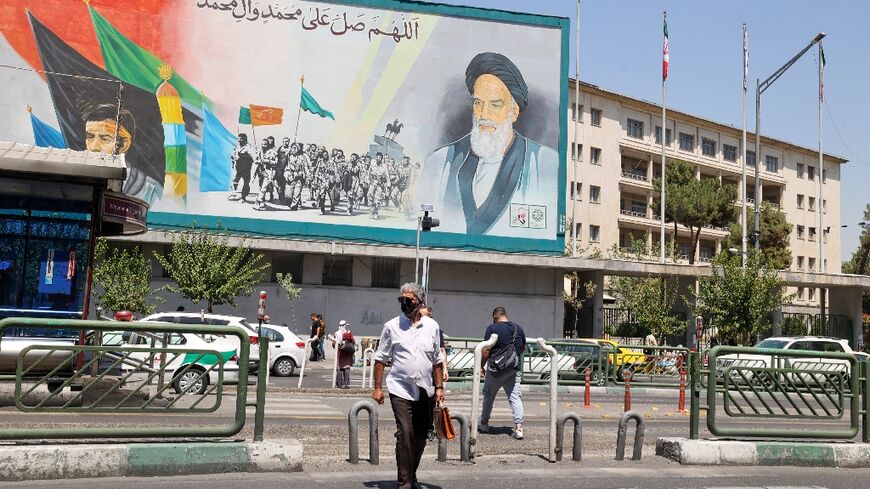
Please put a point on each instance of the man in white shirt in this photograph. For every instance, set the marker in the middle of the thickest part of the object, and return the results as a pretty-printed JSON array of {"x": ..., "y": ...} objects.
[{"x": 412, "y": 343}]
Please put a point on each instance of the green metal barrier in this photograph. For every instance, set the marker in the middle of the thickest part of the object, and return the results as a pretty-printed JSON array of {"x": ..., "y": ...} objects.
[
  {"x": 766, "y": 385},
  {"x": 103, "y": 370}
]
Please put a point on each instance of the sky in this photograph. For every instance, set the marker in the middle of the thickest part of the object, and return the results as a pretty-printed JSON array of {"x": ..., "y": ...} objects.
[{"x": 621, "y": 50}]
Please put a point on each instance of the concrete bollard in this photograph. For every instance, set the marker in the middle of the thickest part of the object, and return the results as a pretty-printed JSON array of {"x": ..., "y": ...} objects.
[
  {"x": 464, "y": 446},
  {"x": 560, "y": 436},
  {"x": 308, "y": 348},
  {"x": 368, "y": 357},
  {"x": 353, "y": 432},
  {"x": 554, "y": 395},
  {"x": 638, "y": 435}
]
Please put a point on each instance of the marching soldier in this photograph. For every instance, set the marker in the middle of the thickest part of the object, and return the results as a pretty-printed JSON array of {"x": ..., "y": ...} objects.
[
  {"x": 266, "y": 172},
  {"x": 294, "y": 175},
  {"x": 284, "y": 155},
  {"x": 243, "y": 160}
]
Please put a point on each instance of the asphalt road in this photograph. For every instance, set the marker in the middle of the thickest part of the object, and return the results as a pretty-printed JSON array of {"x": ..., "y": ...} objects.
[{"x": 508, "y": 475}]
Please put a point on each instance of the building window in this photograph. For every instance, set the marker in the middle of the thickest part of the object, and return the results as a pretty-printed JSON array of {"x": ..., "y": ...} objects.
[
  {"x": 811, "y": 172},
  {"x": 800, "y": 201},
  {"x": 812, "y": 264},
  {"x": 287, "y": 263},
  {"x": 825, "y": 236},
  {"x": 800, "y": 232},
  {"x": 824, "y": 176},
  {"x": 800, "y": 263},
  {"x": 668, "y": 136},
  {"x": 634, "y": 129},
  {"x": 687, "y": 142},
  {"x": 595, "y": 116},
  {"x": 338, "y": 270},
  {"x": 812, "y": 204},
  {"x": 595, "y": 156},
  {"x": 750, "y": 158},
  {"x": 385, "y": 273},
  {"x": 708, "y": 147},
  {"x": 812, "y": 235},
  {"x": 771, "y": 163},
  {"x": 577, "y": 152},
  {"x": 574, "y": 111},
  {"x": 812, "y": 294},
  {"x": 578, "y": 231},
  {"x": 578, "y": 190},
  {"x": 824, "y": 206},
  {"x": 800, "y": 170},
  {"x": 594, "y": 194},
  {"x": 594, "y": 233},
  {"x": 729, "y": 153},
  {"x": 800, "y": 293}
]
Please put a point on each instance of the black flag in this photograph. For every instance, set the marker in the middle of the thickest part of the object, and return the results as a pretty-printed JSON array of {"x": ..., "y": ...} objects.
[{"x": 91, "y": 90}]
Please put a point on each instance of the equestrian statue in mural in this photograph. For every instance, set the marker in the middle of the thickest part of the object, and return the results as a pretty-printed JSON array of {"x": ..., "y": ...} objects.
[{"x": 393, "y": 129}]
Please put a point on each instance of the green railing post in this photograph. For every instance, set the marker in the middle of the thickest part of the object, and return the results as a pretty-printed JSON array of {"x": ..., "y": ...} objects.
[
  {"x": 262, "y": 370},
  {"x": 695, "y": 394},
  {"x": 865, "y": 397}
]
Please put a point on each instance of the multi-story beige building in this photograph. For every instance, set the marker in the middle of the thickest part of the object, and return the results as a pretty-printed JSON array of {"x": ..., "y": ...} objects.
[{"x": 614, "y": 154}]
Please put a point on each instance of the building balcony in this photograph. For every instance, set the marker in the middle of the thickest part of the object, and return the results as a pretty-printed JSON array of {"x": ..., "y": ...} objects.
[{"x": 635, "y": 175}]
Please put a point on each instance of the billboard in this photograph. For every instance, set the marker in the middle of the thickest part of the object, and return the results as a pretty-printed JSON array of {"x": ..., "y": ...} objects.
[{"x": 306, "y": 119}]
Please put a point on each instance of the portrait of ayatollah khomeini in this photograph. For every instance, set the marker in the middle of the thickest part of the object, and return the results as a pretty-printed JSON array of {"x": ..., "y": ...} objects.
[{"x": 494, "y": 180}]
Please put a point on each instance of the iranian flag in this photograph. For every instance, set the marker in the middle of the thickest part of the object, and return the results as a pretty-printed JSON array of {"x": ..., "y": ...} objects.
[{"x": 665, "y": 50}]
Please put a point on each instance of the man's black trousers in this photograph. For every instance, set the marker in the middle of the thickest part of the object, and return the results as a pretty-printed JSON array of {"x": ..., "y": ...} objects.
[{"x": 413, "y": 422}]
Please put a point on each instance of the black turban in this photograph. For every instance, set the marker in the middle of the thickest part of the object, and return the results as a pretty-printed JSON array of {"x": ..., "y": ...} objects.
[{"x": 499, "y": 66}]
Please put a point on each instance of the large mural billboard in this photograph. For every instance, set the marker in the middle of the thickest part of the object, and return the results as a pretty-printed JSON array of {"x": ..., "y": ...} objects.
[{"x": 305, "y": 119}]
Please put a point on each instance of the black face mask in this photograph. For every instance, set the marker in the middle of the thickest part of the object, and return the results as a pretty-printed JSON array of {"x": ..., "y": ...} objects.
[{"x": 407, "y": 305}]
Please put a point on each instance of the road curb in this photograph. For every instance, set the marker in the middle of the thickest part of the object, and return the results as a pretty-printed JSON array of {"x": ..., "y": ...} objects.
[
  {"x": 767, "y": 453},
  {"x": 41, "y": 462}
]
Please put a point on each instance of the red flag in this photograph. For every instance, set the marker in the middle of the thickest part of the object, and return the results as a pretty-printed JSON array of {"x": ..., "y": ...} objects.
[{"x": 665, "y": 50}]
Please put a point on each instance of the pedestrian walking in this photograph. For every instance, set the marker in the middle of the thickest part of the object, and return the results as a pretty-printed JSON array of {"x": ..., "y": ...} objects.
[
  {"x": 501, "y": 365},
  {"x": 345, "y": 346},
  {"x": 410, "y": 341},
  {"x": 315, "y": 329},
  {"x": 321, "y": 337}
]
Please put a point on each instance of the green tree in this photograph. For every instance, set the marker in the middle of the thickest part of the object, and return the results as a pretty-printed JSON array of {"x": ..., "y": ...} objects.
[
  {"x": 740, "y": 301},
  {"x": 859, "y": 264},
  {"x": 775, "y": 232},
  {"x": 205, "y": 267},
  {"x": 123, "y": 277},
  {"x": 695, "y": 203},
  {"x": 285, "y": 280},
  {"x": 651, "y": 299},
  {"x": 579, "y": 293}
]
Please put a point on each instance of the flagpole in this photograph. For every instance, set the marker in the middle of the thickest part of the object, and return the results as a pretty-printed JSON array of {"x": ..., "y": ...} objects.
[
  {"x": 664, "y": 141},
  {"x": 577, "y": 118},
  {"x": 743, "y": 156},
  {"x": 821, "y": 202},
  {"x": 299, "y": 110}
]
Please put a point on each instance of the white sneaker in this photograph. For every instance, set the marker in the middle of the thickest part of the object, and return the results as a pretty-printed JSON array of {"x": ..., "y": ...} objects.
[
  {"x": 518, "y": 433},
  {"x": 483, "y": 428}
]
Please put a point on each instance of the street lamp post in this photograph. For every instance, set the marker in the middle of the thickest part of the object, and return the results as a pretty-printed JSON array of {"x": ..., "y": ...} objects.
[{"x": 760, "y": 87}]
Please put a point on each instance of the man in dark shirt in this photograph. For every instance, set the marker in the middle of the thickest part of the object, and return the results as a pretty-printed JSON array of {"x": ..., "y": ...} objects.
[
  {"x": 315, "y": 329},
  {"x": 510, "y": 335}
]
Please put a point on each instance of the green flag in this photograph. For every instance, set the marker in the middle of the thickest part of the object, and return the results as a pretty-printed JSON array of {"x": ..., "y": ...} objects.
[
  {"x": 244, "y": 115},
  {"x": 135, "y": 65},
  {"x": 309, "y": 104}
]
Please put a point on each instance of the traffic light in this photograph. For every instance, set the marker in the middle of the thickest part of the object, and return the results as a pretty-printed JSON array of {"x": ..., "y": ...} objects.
[{"x": 429, "y": 222}]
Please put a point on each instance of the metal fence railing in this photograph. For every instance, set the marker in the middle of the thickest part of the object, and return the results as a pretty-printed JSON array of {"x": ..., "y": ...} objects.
[
  {"x": 756, "y": 392},
  {"x": 129, "y": 368}
]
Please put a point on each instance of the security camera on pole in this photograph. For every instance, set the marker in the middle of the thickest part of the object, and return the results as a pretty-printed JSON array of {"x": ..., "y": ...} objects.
[{"x": 424, "y": 223}]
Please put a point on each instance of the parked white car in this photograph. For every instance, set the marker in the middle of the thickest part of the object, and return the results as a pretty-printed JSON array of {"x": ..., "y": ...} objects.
[
  {"x": 286, "y": 350},
  {"x": 820, "y": 344},
  {"x": 184, "y": 341},
  {"x": 215, "y": 319}
]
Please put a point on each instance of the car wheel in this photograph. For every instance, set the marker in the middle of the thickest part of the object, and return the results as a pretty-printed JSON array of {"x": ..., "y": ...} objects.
[
  {"x": 620, "y": 372},
  {"x": 54, "y": 387},
  {"x": 194, "y": 376},
  {"x": 284, "y": 367},
  {"x": 597, "y": 377}
]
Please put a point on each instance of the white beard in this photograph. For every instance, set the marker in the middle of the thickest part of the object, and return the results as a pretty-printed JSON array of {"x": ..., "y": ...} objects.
[{"x": 490, "y": 146}]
